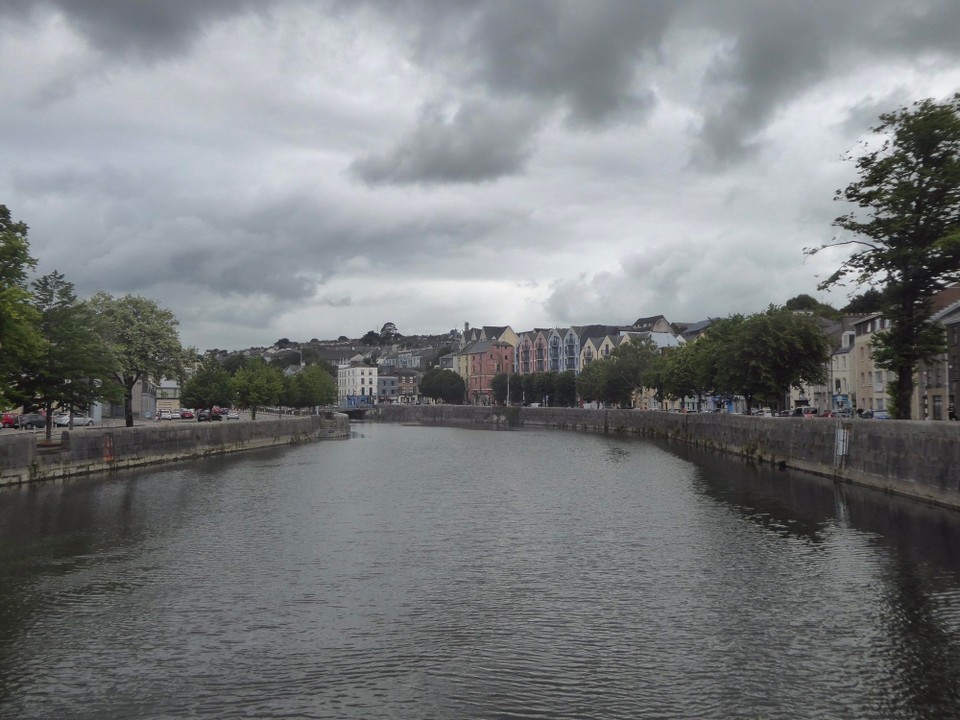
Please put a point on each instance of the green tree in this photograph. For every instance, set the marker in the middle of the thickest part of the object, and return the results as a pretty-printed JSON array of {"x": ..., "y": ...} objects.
[
  {"x": 543, "y": 388},
  {"x": 591, "y": 383},
  {"x": 19, "y": 334},
  {"x": 142, "y": 339},
  {"x": 389, "y": 333},
  {"x": 762, "y": 356},
  {"x": 516, "y": 389},
  {"x": 808, "y": 303},
  {"x": 68, "y": 367},
  {"x": 209, "y": 386},
  {"x": 310, "y": 387},
  {"x": 688, "y": 371},
  {"x": 906, "y": 233},
  {"x": 444, "y": 385},
  {"x": 257, "y": 385},
  {"x": 499, "y": 387},
  {"x": 869, "y": 301},
  {"x": 233, "y": 362},
  {"x": 565, "y": 390},
  {"x": 630, "y": 364}
]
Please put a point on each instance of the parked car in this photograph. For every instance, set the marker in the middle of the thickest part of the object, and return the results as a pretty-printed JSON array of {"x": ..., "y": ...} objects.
[
  {"x": 31, "y": 420},
  {"x": 233, "y": 415},
  {"x": 186, "y": 415},
  {"x": 875, "y": 415},
  {"x": 164, "y": 415},
  {"x": 174, "y": 414},
  {"x": 78, "y": 420},
  {"x": 9, "y": 419},
  {"x": 208, "y": 416}
]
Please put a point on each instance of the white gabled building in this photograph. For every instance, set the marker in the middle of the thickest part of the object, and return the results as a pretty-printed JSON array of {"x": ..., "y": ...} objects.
[{"x": 357, "y": 384}]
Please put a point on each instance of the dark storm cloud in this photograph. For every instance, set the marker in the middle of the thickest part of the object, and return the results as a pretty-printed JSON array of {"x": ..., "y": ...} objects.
[
  {"x": 247, "y": 157},
  {"x": 778, "y": 51},
  {"x": 585, "y": 55},
  {"x": 478, "y": 143},
  {"x": 133, "y": 28}
]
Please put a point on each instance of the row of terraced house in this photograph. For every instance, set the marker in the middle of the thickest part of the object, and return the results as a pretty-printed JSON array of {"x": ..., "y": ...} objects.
[{"x": 854, "y": 381}]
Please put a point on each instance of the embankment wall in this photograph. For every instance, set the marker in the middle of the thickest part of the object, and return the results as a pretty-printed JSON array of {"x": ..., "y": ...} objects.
[
  {"x": 91, "y": 450},
  {"x": 913, "y": 458}
]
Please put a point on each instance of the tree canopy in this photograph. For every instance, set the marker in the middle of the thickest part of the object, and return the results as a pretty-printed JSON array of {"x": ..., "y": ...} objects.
[
  {"x": 257, "y": 385},
  {"x": 211, "y": 385},
  {"x": 443, "y": 385},
  {"x": 808, "y": 303},
  {"x": 762, "y": 356},
  {"x": 905, "y": 232},
  {"x": 66, "y": 370},
  {"x": 19, "y": 335},
  {"x": 310, "y": 387},
  {"x": 142, "y": 339}
]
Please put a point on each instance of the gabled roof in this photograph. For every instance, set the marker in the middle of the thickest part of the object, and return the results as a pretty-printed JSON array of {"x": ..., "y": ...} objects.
[
  {"x": 595, "y": 331},
  {"x": 692, "y": 330},
  {"x": 660, "y": 339},
  {"x": 493, "y": 332},
  {"x": 648, "y": 322},
  {"x": 949, "y": 314},
  {"x": 866, "y": 318}
]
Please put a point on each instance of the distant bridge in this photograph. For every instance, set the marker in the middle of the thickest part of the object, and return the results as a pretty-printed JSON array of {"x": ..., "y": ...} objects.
[{"x": 355, "y": 412}]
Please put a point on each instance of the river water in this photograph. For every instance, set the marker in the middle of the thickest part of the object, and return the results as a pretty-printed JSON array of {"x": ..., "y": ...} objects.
[{"x": 422, "y": 572}]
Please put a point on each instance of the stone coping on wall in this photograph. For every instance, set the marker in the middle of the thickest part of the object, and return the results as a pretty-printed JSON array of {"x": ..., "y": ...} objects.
[{"x": 92, "y": 450}]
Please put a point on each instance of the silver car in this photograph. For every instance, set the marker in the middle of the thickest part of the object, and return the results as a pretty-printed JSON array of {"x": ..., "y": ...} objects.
[{"x": 78, "y": 421}]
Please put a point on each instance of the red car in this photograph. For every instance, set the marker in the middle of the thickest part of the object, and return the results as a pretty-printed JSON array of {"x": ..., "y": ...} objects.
[
  {"x": 186, "y": 415},
  {"x": 9, "y": 419}
]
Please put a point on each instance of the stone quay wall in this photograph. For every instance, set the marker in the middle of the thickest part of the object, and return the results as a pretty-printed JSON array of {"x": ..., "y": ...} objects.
[
  {"x": 91, "y": 450},
  {"x": 913, "y": 458}
]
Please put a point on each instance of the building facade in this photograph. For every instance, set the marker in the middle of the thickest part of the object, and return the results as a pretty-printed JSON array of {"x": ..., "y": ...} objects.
[{"x": 357, "y": 384}]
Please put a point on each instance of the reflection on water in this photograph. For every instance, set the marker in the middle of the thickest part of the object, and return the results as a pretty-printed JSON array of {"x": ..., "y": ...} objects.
[{"x": 454, "y": 573}]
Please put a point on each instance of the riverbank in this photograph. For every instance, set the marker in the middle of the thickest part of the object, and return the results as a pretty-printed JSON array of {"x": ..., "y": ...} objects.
[
  {"x": 92, "y": 450},
  {"x": 911, "y": 458}
]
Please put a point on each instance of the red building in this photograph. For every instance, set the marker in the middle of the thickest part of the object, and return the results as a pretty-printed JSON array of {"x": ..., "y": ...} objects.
[{"x": 485, "y": 359}]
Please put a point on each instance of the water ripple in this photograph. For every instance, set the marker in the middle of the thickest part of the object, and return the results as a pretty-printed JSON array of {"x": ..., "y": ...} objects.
[{"x": 440, "y": 573}]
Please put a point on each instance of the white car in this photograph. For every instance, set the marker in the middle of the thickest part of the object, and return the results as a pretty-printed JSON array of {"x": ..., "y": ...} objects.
[
  {"x": 233, "y": 415},
  {"x": 78, "y": 421}
]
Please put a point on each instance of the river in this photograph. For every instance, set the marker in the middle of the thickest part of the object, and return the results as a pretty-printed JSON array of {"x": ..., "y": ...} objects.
[{"x": 426, "y": 572}]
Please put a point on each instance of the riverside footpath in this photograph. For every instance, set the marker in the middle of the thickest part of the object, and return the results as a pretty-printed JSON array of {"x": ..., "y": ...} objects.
[
  {"x": 86, "y": 451},
  {"x": 915, "y": 459}
]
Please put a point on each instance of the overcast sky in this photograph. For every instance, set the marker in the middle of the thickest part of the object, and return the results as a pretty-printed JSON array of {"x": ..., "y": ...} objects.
[{"x": 272, "y": 169}]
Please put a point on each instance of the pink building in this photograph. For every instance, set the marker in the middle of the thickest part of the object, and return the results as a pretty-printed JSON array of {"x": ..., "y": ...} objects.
[{"x": 485, "y": 359}]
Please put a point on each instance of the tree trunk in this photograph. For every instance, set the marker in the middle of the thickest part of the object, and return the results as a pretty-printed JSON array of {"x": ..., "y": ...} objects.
[
  {"x": 128, "y": 406},
  {"x": 48, "y": 426},
  {"x": 904, "y": 393}
]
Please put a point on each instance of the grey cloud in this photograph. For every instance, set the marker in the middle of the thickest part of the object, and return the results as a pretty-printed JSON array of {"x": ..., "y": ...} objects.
[
  {"x": 779, "y": 50},
  {"x": 336, "y": 302},
  {"x": 147, "y": 30},
  {"x": 585, "y": 56},
  {"x": 108, "y": 180},
  {"x": 478, "y": 143}
]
